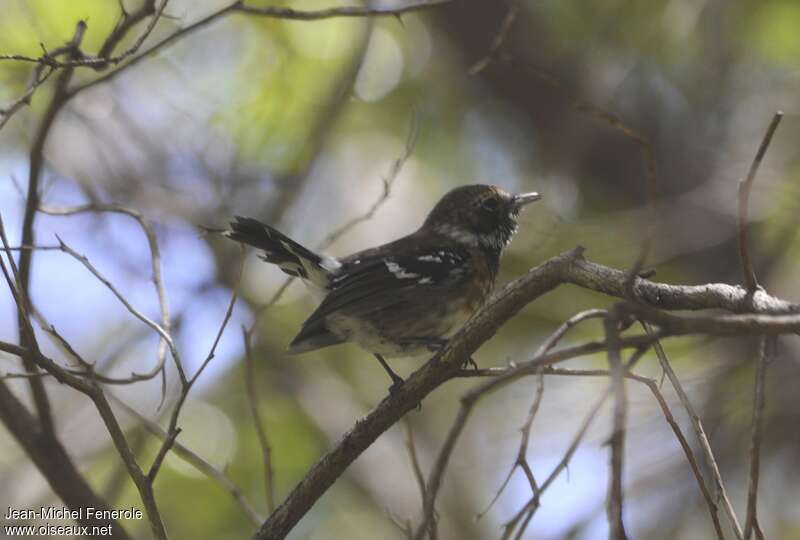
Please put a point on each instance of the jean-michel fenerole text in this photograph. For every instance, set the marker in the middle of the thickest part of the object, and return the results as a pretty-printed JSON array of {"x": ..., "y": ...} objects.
[{"x": 61, "y": 512}]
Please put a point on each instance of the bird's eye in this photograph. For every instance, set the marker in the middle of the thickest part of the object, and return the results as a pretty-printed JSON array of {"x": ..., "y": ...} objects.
[{"x": 490, "y": 204}]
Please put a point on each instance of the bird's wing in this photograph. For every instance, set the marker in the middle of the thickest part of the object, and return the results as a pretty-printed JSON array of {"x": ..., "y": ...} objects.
[{"x": 378, "y": 281}]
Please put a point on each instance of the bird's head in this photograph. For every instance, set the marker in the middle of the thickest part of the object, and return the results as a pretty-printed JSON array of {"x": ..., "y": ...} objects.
[{"x": 479, "y": 215}]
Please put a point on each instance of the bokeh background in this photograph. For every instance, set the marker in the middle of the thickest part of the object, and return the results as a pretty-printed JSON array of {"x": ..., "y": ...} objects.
[{"x": 298, "y": 124}]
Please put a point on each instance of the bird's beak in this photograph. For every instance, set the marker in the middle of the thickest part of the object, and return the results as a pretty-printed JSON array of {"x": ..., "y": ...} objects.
[{"x": 523, "y": 199}]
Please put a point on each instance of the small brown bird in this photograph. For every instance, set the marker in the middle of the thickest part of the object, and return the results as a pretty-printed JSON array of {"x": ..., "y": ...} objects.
[{"x": 407, "y": 296}]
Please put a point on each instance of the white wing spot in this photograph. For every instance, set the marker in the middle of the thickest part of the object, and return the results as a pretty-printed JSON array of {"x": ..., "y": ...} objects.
[
  {"x": 398, "y": 271},
  {"x": 330, "y": 264},
  {"x": 425, "y": 280},
  {"x": 431, "y": 258}
]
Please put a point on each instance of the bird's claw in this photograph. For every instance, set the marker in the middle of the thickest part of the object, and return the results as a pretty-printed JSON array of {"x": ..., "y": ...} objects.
[{"x": 470, "y": 363}]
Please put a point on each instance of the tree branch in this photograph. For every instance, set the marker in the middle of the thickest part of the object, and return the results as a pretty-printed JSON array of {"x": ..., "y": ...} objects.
[
  {"x": 700, "y": 432},
  {"x": 570, "y": 267}
]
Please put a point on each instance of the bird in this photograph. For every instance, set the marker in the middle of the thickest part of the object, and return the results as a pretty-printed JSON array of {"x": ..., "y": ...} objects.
[{"x": 408, "y": 296}]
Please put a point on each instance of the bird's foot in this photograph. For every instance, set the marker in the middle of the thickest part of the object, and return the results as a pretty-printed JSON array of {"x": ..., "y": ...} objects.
[{"x": 470, "y": 363}]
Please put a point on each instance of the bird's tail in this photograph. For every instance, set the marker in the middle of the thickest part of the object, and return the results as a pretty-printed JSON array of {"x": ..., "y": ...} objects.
[{"x": 284, "y": 252}]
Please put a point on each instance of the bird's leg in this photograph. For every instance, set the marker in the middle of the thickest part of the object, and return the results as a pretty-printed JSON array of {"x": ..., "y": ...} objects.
[
  {"x": 397, "y": 380},
  {"x": 470, "y": 362}
]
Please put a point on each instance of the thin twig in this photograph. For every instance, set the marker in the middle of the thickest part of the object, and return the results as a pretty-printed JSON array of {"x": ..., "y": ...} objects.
[
  {"x": 525, "y": 514},
  {"x": 419, "y": 476},
  {"x": 252, "y": 400},
  {"x": 35, "y": 167},
  {"x": 135, "y": 312},
  {"x": 545, "y": 347},
  {"x": 193, "y": 459},
  {"x": 468, "y": 402},
  {"x": 614, "y": 504},
  {"x": 521, "y": 460},
  {"x": 239, "y": 7},
  {"x": 388, "y": 183},
  {"x": 157, "y": 47},
  {"x": 510, "y": 526},
  {"x": 91, "y": 389},
  {"x": 705, "y": 445},
  {"x": 129, "y": 20},
  {"x": 766, "y": 350},
  {"x": 713, "y": 510},
  {"x": 348, "y": 11},
  {"x": 40, "y": 74},
  {"x": 566, "y": 326},
  {"x": 749, "y": 275},
  {"x": 169, "y": 442},
  {"x": 339, "y": 232},
  {"x": 648, "y": 159},
  {"x": 23, "y": 375},
  {"x": 499, "y": 38},
  {"x": 155, "y": 266},
  {"x": 416, "y": 468},
  {"x": 186, "y": 386},
  {"x": 435, "y": 478}
]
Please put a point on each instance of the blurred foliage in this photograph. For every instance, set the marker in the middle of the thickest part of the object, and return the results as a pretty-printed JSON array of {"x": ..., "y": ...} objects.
[{"x": 297, "y": 123}]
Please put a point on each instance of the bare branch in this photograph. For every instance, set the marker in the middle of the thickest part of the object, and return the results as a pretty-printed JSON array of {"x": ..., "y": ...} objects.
[
  {"x": 136, "y": 313},
  {"x": 157, "y": 47},
  {"x": 155, "y": 265},
  {"x": 186, "y": 385},
  {"x": 36, "y": 164},
  {"x": 40, "y": 74},
  {"x": 23, "y": 375},
  {"x": 766, "y": 350},
  {"x": 89, "y": 388},
  {"x": 416, "y": 468},
  {"x": 388, "y": 183},
  {"x": 521, "y": 460},
  {"x": 435, "y": 479},
  {"x": 533, "y": 503},
  {"x": 346, "y": 227},
  {"x": 711, "y": 461},
  {"x": 687, "y": 450},
  {"x": 566, "y": 326},
  {"x": 252, "y": 400},
  {"x": 749, "y": 275},
  {"x": 499, "y": 39},
  {"x": 617, "y": 439},
  {"x": 617, "y": 124},
  {"x": 468, "y": 401},
  {"x": 569, "y": 267},
  {"x": 348, "y": 11},
  {"x": 193, "y": 459},
  {"x": 169, "y": 442},
  {"x": 143, "y": 483},
  {"x": 129, "y": 20},
  {"x": 525, "y": 514},
  {"x": 239, "y": 7},
  {"x": 55, "y": 464}
]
